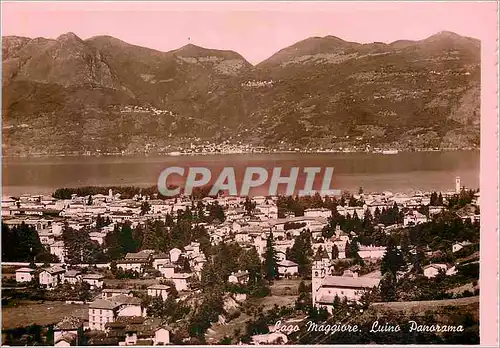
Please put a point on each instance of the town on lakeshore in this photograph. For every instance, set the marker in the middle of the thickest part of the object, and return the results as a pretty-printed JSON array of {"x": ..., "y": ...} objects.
[{"x": 125, "y": 266}]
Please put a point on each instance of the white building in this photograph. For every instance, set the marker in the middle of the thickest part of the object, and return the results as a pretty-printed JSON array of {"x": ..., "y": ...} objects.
[
  {"x": 269, "y": 339},
  {"x": 167, "y": 270},
  {"x": 24, "y": 274},
  {"x": 160, "y": 259},
  {"x": 159, "y": 290},
  {"x": 240, "y": 277},
  {"x": 325, "y": 287},
  {"x": 103, "y": 311},
  {"x": 413, "y": 217},
  {"x": 94, "y": 280},
  {"x": 432, "y": 270},
  {"x": 318, "y": 212},
  {"x": 110, "y": 293},
  {"x": 72, "y": 276},
  {"x": 460, "y": 245},
  {"x": 136, "y": 265},
  {"x": 287, "y": 267},
  {"x": 175, "y": 254},
  {"x": 68, "y": 332},
  {"x": 57, "y": 248},
  {"x": 371, "y": 252},
  {"x": 181, "y": 281},
  {"x": 51, "y": 277}
]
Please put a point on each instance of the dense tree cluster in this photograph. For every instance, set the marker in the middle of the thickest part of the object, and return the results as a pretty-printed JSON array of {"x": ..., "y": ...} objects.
[
  {"x": 366, "y": 229},
  {"x": 224, "y": 260},
  {"x": 79, "y": 248},
  {"x": 444, "y": 229},
  {"x": 22, "y": 244},
  {"x": 461, "y": 199},
  {"x": 126, "y": 192},
  {"x": 301, "y": 253}
]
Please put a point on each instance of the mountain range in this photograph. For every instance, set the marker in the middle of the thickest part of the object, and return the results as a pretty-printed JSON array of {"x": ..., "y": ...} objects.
[{"x": 101, "y": 95}]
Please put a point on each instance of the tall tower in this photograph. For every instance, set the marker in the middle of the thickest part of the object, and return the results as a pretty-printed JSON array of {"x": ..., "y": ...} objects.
[
  {"x": 318, "y": 274},
  {"x": 458, "y": 186}
]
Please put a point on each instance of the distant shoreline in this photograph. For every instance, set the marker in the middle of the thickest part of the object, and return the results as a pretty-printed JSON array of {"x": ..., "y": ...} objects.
[{"x": 233, "y": 153}]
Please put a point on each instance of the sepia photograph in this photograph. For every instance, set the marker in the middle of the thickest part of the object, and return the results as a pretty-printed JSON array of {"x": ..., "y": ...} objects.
[{"x": 249, "y": 173}]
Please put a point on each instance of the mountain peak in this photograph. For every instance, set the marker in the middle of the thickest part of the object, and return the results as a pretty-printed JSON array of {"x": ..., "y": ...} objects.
[
  {"x": 310, "y": 46},
  {"x": 68, "y": 37},
  {"x": 192, "y": 50},
  {"x": 446, "y": 34}
]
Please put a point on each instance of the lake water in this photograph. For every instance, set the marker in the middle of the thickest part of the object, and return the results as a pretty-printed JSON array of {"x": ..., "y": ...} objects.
[{"x": 402, "y": 172}]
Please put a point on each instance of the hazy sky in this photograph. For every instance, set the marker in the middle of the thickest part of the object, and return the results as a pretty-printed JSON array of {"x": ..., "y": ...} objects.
[{"x": 255, "y": 30}]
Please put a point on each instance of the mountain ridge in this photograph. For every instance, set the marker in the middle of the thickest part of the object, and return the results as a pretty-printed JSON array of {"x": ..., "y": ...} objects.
[
  {"x": 440, "y": 34},
  {"x": 69, "y": 95}
]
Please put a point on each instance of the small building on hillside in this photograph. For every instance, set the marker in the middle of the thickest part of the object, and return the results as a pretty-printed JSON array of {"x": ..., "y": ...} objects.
[
  {"x": 51, "y": 277},
  {"x": 57, "y": 248},
  {"x": 103, "y": 311},
  {"x": 273, "y": 338},
  {"x": 68, "y": 332},
  {"x": 94, "y": 280},
  {"x": 413, "y": 218},
  {"x": 349, "y": 286},
  {"x": 136, "y": 265},
  {"x": 136, "y": 331},
  {"x": 287, "y": 267},
  {"x": 72, "y": 276},
  {"x": 181, "y": 281},
  {"x": 175, "y": 254},
  {"x": 160, "y": 259},
  {"x": 167, "y": 270},
  {"x": 159, "y": 290},
  {"x": 240, "y": 277},
  {"x": 460, "y": 245},
  {"x": 432, "y": 270},
  {"x": 24, "y": 274}
]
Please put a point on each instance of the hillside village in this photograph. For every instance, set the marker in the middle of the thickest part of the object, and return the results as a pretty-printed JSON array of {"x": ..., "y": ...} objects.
[{"x": 151, "y": 271}]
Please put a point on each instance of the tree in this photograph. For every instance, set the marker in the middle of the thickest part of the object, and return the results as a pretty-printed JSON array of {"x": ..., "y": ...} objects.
[
  {"x": 302, "y": 287},
  {"x": 100, "y": 222},
  {"x": 301, "y": 252},
  {"x": 21, "y": 243},
  {"x": 336, "y": 302},
  {"x": 335, "y": 252},
  {"x": 84, "y": 292},
  {"x": 249, "y": 205},
  {"x": 405, "y": 245},
  {"x": 440, "y": 199},
  {"x": 90, "y": 201},
  {"x": 418, "y": 261},
  {"x": 249, "y": 260},
  {"x": 433, "y": 199},
  {"x": 156, "y": 307},
  {"x": 79, "y": 248},
  {"x": 393, "y": 259},
  {"x": 347, "y": 250},
  {"x": 353, "y": 251},
  {"x": 126, "y": 239},
  {"x": 388, "y": 287},
  {"x": 145, "y": 207},
  {"x": 215, "y": 212},
  {"x": 270, "y": 259}
]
